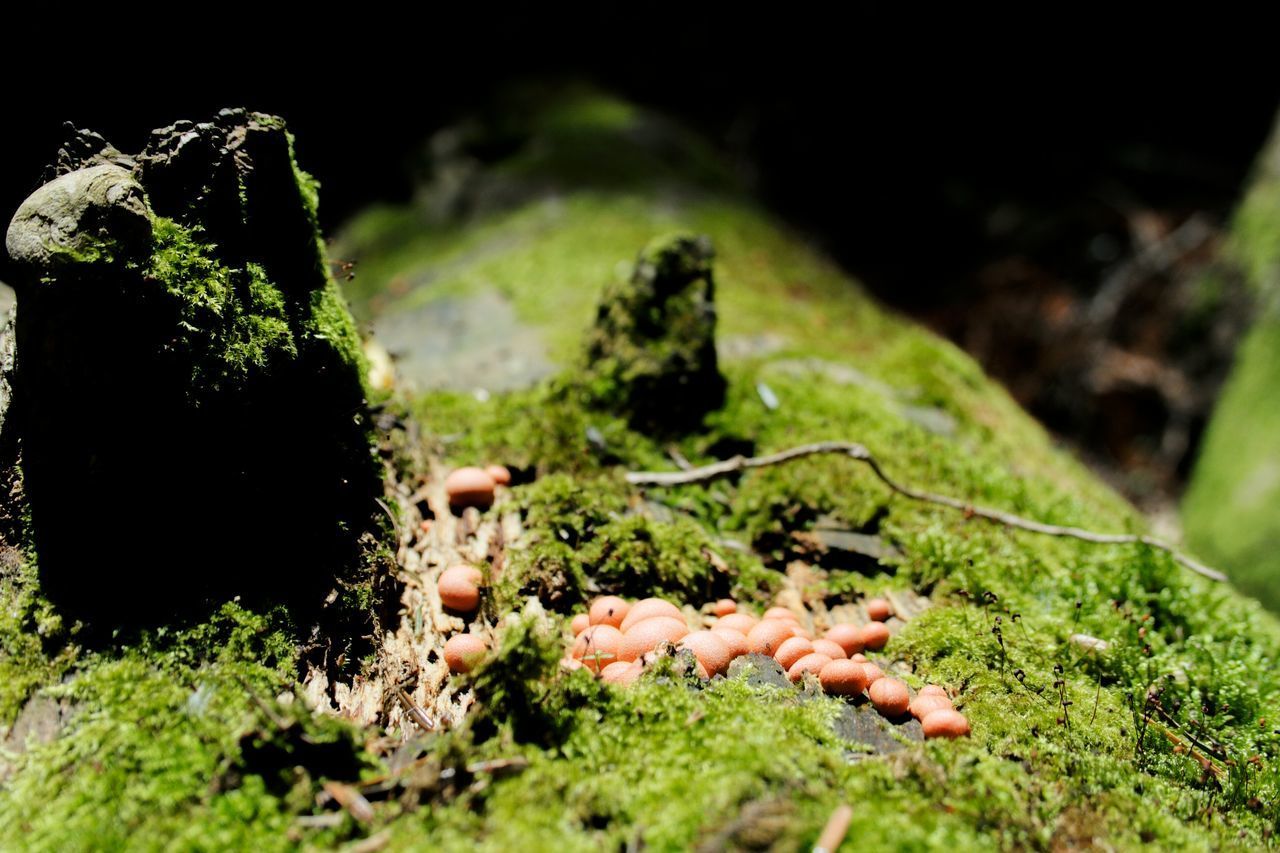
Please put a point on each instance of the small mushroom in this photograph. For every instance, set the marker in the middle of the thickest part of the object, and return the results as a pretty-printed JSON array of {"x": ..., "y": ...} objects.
[
  {"x": 648, "y": 634},
  {"x": 463, "y": 651},
  {"x": 791, "y": 650},
  {"x": 469, "y": 487},
  {"x": 843, "y": 678},
  {"x": 848, "y": 636},
  {"x": 809, "y": 663},
  {"x": 459, "y": 588},
  {"x": 879, "y": 609},
  {"x": 945, "y": 723},
  {"x": 647, "y": 608},
  {"x": 875, "y": 635},
  {"x": 609, "y": 610},
  {"x": 890, "y": 697}
]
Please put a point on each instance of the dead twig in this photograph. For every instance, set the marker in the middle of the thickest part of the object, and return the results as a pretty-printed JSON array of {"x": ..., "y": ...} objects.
[
  {"x": 835, "y": 830},
  {"x": 351, "y": 800},
  {"x": 414, "y": 712},
  {"x": 861, "y": 454}
]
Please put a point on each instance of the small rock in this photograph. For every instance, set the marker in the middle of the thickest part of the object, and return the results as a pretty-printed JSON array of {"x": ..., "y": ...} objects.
[
  {"x": 861, "y": 724},
  {"x": 759, "y": 670}
]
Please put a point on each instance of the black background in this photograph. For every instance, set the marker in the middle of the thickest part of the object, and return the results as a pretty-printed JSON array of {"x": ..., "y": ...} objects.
[{"x": 889, "y": 137}]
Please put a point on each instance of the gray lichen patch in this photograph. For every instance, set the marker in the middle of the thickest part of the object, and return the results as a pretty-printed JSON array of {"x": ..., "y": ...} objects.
[
  {"x": 651, "y": 354},
  {"x": 85, "y": 216}
]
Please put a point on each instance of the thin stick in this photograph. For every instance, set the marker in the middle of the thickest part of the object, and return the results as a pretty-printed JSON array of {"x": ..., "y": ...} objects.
[
  {"x": 861, "y": 454},
  {"x": 415, "y": 713},
  {"x": 834, "y": 832}
]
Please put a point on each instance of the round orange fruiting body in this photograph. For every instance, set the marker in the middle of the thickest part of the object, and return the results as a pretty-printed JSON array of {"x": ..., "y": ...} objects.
[
  {"x": 735, "y": 640},
  {"x": 459, "y": 588},
  {"x": 875, "y": 635},
  {"x": 809, "y": 663},
  {"x": 463, "y": 651},
  {"x": 648, "y": 634},
  {"x": 781, "y": 613},
  {"x": 873, "y": 672},
  {"x": 945, "y": 723},
  {"x": 843, "y": 678},
  {"x": 849, "y": 637},
  {"x": 791, "y": 650},
  {"x": 890, "y": 697},
  {"x": 621, "y": 673},
  {"x": 711, "y": 650},
  {"x": 499, "y": 474},
  {"x": 469, "y": 487},
  {"x": 598, "y": 646},
  {"x": 742, "y": 622},
  {"x": 608, "y": 610},
  {"x": 649, "y": 607},
  {"x": 767, "y": 636},
  {"x": 724, "y": 607},
  {"x": 878, "y": 609},
  {"x": 829, "y": 648},
  {"x": 580, "y": 623},
  {"x": 926, "y": 703}
]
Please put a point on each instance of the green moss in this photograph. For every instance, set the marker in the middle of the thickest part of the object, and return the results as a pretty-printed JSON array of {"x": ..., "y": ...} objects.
[
  {"x": 587, "y": 540},
  {"x": 1230, "y": 506},
  {"x": 27, "y": 625},
  {"x": 167, "y": 747},
  {"x": 232, "y": 325},
  {"x": 840, "y": 369},
  {"x": 651, "y": 353}
]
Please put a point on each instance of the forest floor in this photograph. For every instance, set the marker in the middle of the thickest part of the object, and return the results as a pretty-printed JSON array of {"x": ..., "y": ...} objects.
[{"x": 222, "y": 734}]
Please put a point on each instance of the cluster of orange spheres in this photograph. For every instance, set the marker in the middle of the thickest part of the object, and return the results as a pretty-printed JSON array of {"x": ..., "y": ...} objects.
[
  {"x": 615, "y": 640},
  {"x": 475, "y": 486}
]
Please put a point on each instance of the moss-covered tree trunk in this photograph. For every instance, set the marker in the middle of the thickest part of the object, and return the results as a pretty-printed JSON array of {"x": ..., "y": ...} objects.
[{"x": 189, "y": 394}]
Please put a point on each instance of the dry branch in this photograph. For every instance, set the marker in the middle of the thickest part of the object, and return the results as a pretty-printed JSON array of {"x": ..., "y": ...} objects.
[{"x": 861, "y": 454}]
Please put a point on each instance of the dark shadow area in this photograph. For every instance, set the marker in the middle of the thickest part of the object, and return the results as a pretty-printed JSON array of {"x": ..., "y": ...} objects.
[{"x": 990, "y": 182}]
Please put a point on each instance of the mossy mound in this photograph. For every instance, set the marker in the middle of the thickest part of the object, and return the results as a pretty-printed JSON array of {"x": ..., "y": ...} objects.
[
  {"x": 1166, "y": 737},
  {"x": 651, "y": 354},
  {"x": 1232, "y": 507},
  {"x": 189, "y": 388}
]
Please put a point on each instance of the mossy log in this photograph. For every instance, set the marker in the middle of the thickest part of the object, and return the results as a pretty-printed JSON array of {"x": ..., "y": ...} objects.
[{"x": 1115, "y": 698}]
